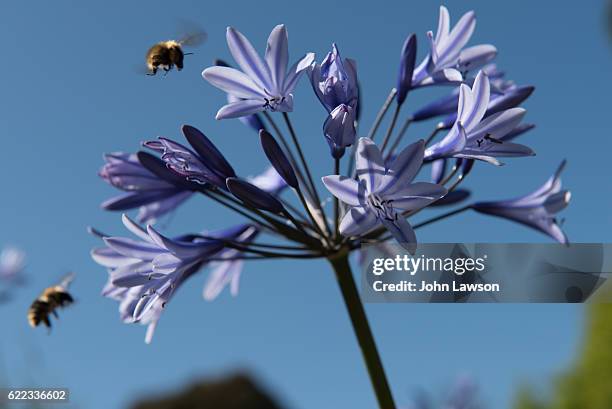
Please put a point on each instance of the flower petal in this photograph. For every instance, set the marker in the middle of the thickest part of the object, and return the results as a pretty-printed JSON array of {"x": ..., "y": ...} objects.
[
  {"x": 247, "y": 58},
  {"x": 233, "y": 82},
  {"x": 357, "y": 221},
  {"x": 348, "y": 190},
  {"x": 294, "y": 73},
  {"x": 240, "y": 108},
  {"x": 403, "y": 169},
  {"x": 403, "y": 233},
  {"x": 369, "y": 164},
  {"x": 277, "y": 56}
]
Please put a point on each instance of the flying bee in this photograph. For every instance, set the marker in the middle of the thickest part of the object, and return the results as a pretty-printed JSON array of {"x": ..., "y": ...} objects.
[
  {"x": 168, "y": 54},
  {"x": 49, "y": 301}
]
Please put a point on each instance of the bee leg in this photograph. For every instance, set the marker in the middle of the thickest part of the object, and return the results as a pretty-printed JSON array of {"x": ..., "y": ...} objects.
[{"x": 54, "y": 312}]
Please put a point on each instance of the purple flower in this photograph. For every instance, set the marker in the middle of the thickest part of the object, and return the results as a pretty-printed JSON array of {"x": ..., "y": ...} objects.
[
  {"x": 537, "y": 209},
  {"x": 447, "y": 57},
  {"x": 203, "y": 165},
  {"x": 152, "y": 195},
  {"x": 474, "y": 138},
  {"x": 144, "y": 274},
  {"x": 339, "y": 129},
  {"x": 260, "y": 85},
  {"x": 382, "y": 195},
  {"x": 335, "y": 81},
  {"x": 12, "y": 263}
]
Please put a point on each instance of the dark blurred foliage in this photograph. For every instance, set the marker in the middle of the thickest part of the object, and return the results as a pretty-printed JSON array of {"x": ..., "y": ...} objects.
[
  {"x": 233, "y": 392},
  {"x": 588, "y": 384}
]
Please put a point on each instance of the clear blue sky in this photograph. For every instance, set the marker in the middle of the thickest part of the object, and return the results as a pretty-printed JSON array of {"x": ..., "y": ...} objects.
[{"x": 70, "y": 93}]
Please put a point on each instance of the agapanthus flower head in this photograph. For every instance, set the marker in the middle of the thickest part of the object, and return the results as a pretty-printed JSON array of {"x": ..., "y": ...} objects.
[
  {"x": 262, "y": 84},
  {"x": 152, "y": 268},
  {"x": 204, "y": 164},
  {"x": 335, "y": 81},
  {"x": 152, "y": 195},
  {"x": 383, "y": 195},
  {"x": 448, "y": 58},
  {"x": 473, "y": 137},
  {"x": 339, "y": 129},
  {"x": 537, "y": 209},
  {"x": 12, "y": 262}
]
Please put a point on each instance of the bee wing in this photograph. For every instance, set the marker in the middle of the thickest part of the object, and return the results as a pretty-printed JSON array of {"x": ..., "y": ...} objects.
[
  {"x": 191, "y": 34},
  {"x": 66, "y": 280},
  {"x": 194, "y": 39}
]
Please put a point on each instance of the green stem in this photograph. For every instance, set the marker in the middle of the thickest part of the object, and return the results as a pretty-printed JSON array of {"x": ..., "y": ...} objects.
[
  {"x": 381, "y": 113},
  {"x": 362, "y": 330},
  {"x": 337, "y": 202}
]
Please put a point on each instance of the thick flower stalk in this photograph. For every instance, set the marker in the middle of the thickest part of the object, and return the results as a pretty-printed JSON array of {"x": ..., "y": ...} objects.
[{"x": 283, "y": 212}]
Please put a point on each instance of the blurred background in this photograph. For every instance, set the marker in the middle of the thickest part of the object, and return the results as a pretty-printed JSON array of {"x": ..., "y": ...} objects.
[{"x": 70, "y": 92}]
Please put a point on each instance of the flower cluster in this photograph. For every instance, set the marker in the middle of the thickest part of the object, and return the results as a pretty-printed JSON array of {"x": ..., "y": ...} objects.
[{"x": 375, "y": 197}]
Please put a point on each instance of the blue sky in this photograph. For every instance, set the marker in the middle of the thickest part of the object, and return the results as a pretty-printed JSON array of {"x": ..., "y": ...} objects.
[{"x": 70, "y": 92}]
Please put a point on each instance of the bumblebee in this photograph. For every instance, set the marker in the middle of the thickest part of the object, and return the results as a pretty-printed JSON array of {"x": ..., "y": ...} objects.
[
  {"x": 49, "y": 301},
  {"x": 168, "y": 54}
]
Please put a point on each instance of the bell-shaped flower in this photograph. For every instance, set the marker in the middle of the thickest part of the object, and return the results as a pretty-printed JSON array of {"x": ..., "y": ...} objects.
[
  {"x": 383, "y": 195},
  {"x": 339, "y": 129},
  {"x": 262, "y": 84},
  {"x": 474, "y": 138},
  {"x": 448, "y": 58},
  {"x": 153, "y": 196},
  {"x": 537, "y": 209}
]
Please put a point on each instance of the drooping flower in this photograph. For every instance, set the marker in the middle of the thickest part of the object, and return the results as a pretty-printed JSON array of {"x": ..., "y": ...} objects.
[
  {"x": 204, "y": 164},
  {"x": 537, "y": 209},
  {"x": 153, "y": 196},
  {"x": 447, "y": 58},
  {"x": 260, "y": 85},
  {"x": 335, "y": 83},
  {"x": 144, "y": 274},
  {"x": 382, "y": 195},
  {"x": 12, "y": 263},
  {"x": 471, "y": 137},
  {"x": 339, "y": 130}
]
